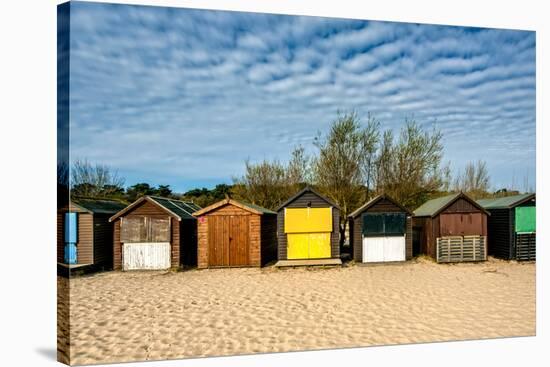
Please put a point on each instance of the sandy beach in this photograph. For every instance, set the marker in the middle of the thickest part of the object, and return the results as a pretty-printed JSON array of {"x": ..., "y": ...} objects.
[{"x": 130, "y": 316}]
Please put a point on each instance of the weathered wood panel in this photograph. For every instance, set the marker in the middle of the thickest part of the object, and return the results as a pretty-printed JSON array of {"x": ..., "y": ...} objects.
[
  {"x": 461, "y": 248},
  {"x": 148, "y": 256}
]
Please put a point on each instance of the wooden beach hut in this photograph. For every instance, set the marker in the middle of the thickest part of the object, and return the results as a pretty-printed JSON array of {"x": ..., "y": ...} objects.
[
  {"x": 512, "y": 227},
  {"x": 308, "y": 230},
  {"x": 84, "y": 234},
  {"x": 155, "y": 233},
  {"x": 452, "y": 228},
  {"x": 381, "y": 231},
  {"x": 235, "y": 234}
]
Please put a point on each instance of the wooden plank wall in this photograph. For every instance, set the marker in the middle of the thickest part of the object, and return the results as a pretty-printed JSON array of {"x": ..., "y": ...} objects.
[
  {"x": 268, "y": 238},
  {"x": 60, "y": 237},
  {"x": 500, "y": 229},
  {"x": 302, "y": 202},
  {"x": 117, "y": 246},
  {"x": 103, "y": 241},
  {"x": 85, "y": 245},
  {"x": 188, "y": 242}
]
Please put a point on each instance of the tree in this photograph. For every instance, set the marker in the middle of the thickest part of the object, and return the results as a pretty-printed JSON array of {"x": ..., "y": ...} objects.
[
  {"x": 164, "y": 191},
  {"x": 344, "y": 166},
  {"x": 263, "y": 184},
  {"x": 269, "y": 183},
  {"x": 94, "y": 180},
  {"x": 474, "y": 180},
  {"x": 410, "y": 169},
  {"x": 138, "y": 190}
]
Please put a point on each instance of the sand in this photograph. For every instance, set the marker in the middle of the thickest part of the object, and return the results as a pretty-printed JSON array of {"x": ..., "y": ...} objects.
[{"x": 130, "y": 316}]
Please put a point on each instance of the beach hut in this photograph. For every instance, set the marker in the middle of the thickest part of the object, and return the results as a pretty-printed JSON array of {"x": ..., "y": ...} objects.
[
  {"x": 381, "y": 231},
  {"x": 155, "y": 233},
  {"x": 512, "y": 226},
  {"x": 452, "y": 228},
  {"x": 235, "y": 234},
  {"x": 84, "y": 234},
  {"x": 308, "y": 230}
]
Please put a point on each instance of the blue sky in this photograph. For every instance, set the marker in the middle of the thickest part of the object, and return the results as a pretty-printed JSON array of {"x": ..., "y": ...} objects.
[{"x": 182, "y": 97}]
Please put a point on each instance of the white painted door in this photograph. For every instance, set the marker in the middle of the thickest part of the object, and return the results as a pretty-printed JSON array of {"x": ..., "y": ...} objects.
[
  {"x": 146, "y": 256},
  {"x": 381, "y": 249}
]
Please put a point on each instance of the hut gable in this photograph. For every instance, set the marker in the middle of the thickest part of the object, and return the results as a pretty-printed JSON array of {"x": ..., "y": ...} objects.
[
  {"x": 380, "y": 204},
  {"x": 307, "y": 197},
  {"x": 154, "y": 205},
  {"x": 229, "y": 205},
  {"x": 454, "y": 203}
]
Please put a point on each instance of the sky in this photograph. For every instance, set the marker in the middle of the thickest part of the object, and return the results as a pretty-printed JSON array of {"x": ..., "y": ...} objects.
[{"x": 183, "y": 97}]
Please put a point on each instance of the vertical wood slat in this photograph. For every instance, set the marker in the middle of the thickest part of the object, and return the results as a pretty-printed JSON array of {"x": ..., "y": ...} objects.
[{"x": 461, "y": 248}]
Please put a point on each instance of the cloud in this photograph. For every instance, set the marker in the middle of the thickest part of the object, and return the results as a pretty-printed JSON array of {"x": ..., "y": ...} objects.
[{"x": 183, "y": 96}]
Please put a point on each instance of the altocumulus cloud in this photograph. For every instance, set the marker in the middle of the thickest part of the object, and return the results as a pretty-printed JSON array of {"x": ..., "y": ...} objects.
[{"x": 182, "y": 96}]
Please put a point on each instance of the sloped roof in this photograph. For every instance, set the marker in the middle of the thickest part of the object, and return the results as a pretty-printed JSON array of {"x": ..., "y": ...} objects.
[
  {"x": 256, "y": 209},
  {"x": 374, "y": 201},
  {"x": 303, "y": 191},
  {"x": 176, "y": 208},
  {"x": 507, "y": 202},
  {"x": 99, "y": 206},
  {"x": 433, "y": 207}
]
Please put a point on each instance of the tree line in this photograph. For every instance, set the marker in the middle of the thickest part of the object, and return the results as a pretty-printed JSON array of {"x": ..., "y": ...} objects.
[{"x": 351, "y": 163}]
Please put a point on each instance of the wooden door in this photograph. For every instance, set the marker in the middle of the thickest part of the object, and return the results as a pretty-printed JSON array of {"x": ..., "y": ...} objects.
[
  {"x": 218, "y": 240},
  {"x": 238, "y": 240},
  {"x": 228, "y": 240}
]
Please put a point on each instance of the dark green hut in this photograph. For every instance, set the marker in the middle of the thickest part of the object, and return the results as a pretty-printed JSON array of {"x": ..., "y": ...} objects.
[{"x": 512, "y": 226}]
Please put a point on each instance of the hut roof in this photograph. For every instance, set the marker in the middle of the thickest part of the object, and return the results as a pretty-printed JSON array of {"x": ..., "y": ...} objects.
[
  {"x": 176, "y": 208},
  {"x": 507, "y": 202},
  {"x": 433, "y": 207},
  {"x": 374, "y": 201},
  {"x": 303, "y": 191},
  {"x": 255, "y": 209},
  {"x": 99, "y": 206}
]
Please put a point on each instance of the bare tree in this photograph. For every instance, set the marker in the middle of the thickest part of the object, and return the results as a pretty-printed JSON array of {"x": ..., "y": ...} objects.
[
  {"x": 474, "y": 180},
  {"x": 94, "y": 180},
  {"x": 410, "y": 169},
  {"x": 343, "y": 168}
]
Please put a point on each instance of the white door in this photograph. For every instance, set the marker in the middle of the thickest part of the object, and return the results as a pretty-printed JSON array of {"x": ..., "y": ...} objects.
[
  {"x": 146, "y": 256},
  {"x": 381, "y": 249}
]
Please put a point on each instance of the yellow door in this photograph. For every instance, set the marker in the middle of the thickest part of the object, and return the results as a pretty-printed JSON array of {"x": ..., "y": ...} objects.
[
  {"x": 319, "y": 245},
  {"x": 297, "y": 245},
  {"x": 308, "y": 245}
]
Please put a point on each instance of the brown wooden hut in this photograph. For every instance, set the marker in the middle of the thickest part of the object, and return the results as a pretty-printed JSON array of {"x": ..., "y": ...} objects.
[
  {"x": 94, "y": 232},
  {"x": 381, "y": 231},
  {"x": 452, "y": 228},
  {"x": 308, "y": 230},
  {"x": 235, "y": 234},
  {"x": 155, "y": 233}
]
